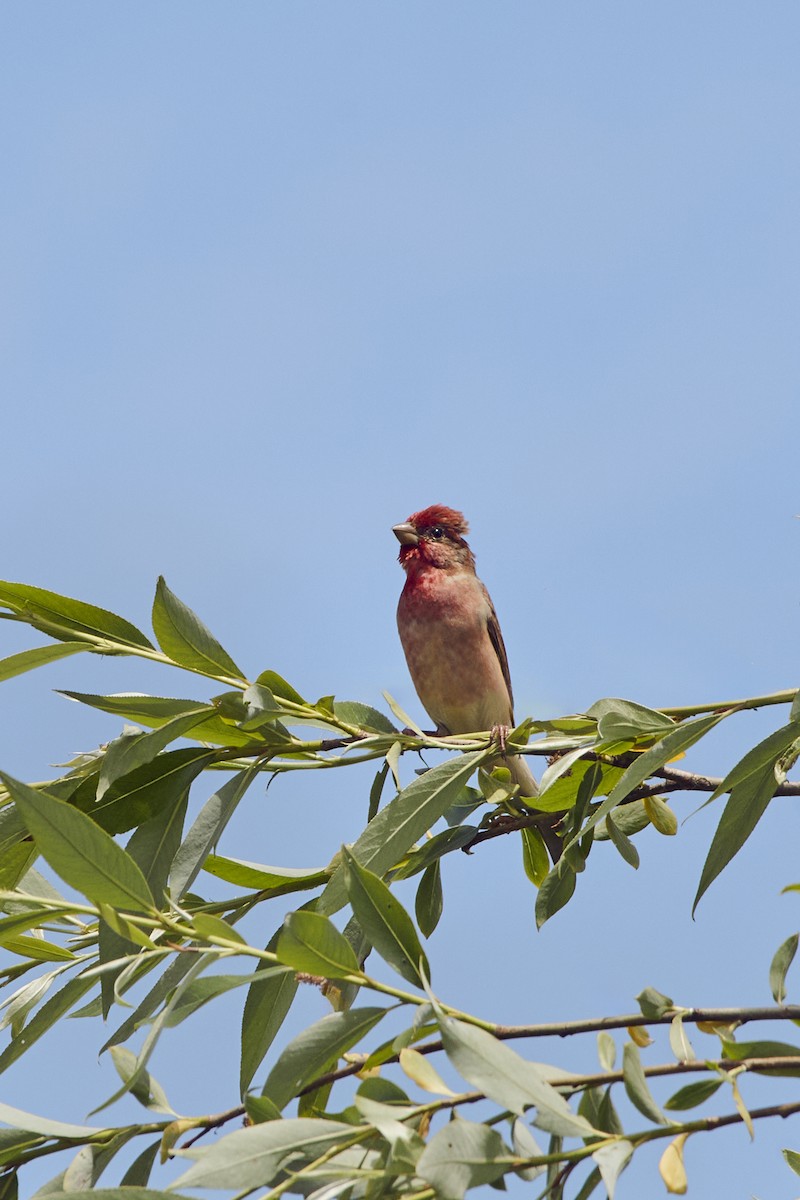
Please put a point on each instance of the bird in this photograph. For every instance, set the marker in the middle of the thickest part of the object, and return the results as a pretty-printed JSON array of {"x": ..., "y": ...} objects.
[{"x": 452, "y": 641}]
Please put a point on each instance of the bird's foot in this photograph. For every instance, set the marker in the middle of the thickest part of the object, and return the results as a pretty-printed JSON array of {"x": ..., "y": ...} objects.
[{"x": 499, "y": 734}]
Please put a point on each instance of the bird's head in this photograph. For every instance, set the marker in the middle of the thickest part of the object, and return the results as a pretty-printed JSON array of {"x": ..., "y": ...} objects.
[{"x": 434, "y": 537}]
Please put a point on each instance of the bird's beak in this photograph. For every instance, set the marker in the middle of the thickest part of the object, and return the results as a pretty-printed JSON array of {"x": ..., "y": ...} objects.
[{"x": 405, "y": 534}]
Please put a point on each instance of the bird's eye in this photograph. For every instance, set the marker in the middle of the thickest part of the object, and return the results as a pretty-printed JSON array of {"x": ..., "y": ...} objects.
[{"x": 437, "y": 532}]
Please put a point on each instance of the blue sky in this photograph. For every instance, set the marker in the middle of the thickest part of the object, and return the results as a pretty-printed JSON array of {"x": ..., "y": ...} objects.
[{"x": 276, "y": 275}]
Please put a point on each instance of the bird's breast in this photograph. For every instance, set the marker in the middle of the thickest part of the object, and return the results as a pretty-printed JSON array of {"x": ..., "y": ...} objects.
[{"x": 443, "y": 618}]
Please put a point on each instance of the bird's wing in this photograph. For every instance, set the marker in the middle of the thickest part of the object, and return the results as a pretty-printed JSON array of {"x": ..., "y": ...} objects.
[{"x": 496, "y": 638}]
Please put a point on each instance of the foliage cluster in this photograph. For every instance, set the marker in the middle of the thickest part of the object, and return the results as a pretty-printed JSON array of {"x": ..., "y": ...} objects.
[{"x": 355, "y": 1105}]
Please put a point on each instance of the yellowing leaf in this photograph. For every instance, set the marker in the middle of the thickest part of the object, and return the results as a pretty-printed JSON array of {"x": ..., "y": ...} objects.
[
  {"x": 639, "y": 1035},
  {"x": 671, "y": 1168},
  {"x": 423, "y": 1072}
]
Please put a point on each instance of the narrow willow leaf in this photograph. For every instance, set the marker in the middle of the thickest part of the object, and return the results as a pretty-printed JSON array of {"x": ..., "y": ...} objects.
[
  {"x": 556, "y": 891},
  {"x": 201, "y": 991},
  {"x": 37, "y": 949},
  {"x": 624, "y": 720},
  {"x": 79, "y": 851},
  {"x": 32, "y": 1123},
  {"x": 780, "y": 964},
  {"x": 161, "y": 989},
  {"x": 742, "y": 1108},
  {"x": 316, "y": 1050},
  {"x": 526, "y": 1146},
  {"x": 432, "y": 849},
  {"x": 28, "y": 660},
  {"x": 623, "y": 844},
  {"x": 461, "y": 1156},
  {"x": 265, "y": 1010},
  {"x": 183, "y": 636},
  {"x": 141, "y": 795},
  {"x": 363, "y": 716},
  {"x": 421, "y": 1070},
  {"x": 636, "y": 1087},
  {"x": 253, "y": 1157},
  {"x": 535, "y": 860},
  {"x": 206, "y": 831},
  {"x": 277, "y": 880},
  {"x": 693, "y": 1094},
  {"x": 66, "y": 619},
  {"x": 155, "y": 711},
  {"x": 385, "y": 922},
  {"x": 792, "y": 1158},
  {"x": 147, "y": 1090},
  {"x": 403, "y": 821},
  {"x": 679, "y": 1041},
  {"x": 606, "y": 1050},
  {"x": 210, "y": 928},
  {"x": 761, "y": 1049},
  {"x": 429, "y": 900},
  {"x": 671, "y": 1168},
  {"x": 676, "y": 742},
  {"x": 760, "y": 758},
  {"x": 611, "y": 1161},
  {"x": 138, "y": 1173},
  {"x": 499, "y": 1072},
  {"x": 130, "y": 751},
  {"x": 21, "y": 922},
  {"x": 279, "y": 687},
  {"x": 311, "y": 943},
  {"x": 746, "y": 805}
]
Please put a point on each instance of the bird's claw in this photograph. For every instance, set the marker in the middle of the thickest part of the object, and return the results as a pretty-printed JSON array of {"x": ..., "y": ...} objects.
[{"x": 499, "y": 734}]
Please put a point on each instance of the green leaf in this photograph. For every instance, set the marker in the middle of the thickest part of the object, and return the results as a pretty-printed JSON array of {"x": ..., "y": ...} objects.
[
  {"x": 498, "y": 1071},
  {"x": 780, "y": 964},
  {"x": 27, "y": 660},
  {"x": 140, "y": 795},
  {"x": 279, "y": 687},
  {"x": 760, "y": 1049},
  {"x": 756, "y": 783},
  {"x": 143, "y": 1087},
  {"x": 535, "y": 859},
  {"x": 253, "y": 1157},
  {"x": 636, "y": 1087},
  {"x": 793, "y": 1159},
  {"x": 212, "y": 928},
  {"x": 37, "y": 949},
  {"x": 764, "y": 755},
  {"x": 556, "y": 890},
  {"x": 461, "y": 1156},
  {"x": 206, "y": 831},
  {"x": 429, "y": 901},
  {"x": 316, "y": 1050},
  {"x": 385, "y": 922},
  {"x": 277, "y": 880},
  {"x": 155, "y": 711},
  {"x": 611, "y": 1161},
  {"x": 265, "y": 1010},
  {"x": 434, "y": 848},
  {"x": 311, "y": 943},
  {"x": 654, "y": 1004},
  {"x": 363, "y": 716},
  {"x": 130, "y": 751},
  {"x": 32, "y": 1123},
  {"x": 606, "y": 1050},
  {"x": 403, "y": 821},
  {"x": 203, "y": 990},
  {"x": 183, "y": 636},
  {"x": 622, "y": 843},
  {"x": 130, "y": 1193},
  {"x": 79, "y": 851},
  {"x": 693, "y": 1094},
  {"x": 138, "y": 1173},
  {"x": 623, "y": 720},
  {"x": 68, "y": 620}
]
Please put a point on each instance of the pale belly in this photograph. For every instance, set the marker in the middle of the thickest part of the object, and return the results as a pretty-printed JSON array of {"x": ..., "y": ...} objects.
[{"x": 452, "y": 661}]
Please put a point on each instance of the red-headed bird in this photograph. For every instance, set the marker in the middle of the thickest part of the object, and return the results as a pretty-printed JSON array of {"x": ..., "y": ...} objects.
[{"x": 451, "y": 637}]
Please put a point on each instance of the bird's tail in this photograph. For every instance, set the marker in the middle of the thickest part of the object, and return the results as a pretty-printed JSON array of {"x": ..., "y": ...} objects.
[{"x": 529, "y": 790}]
